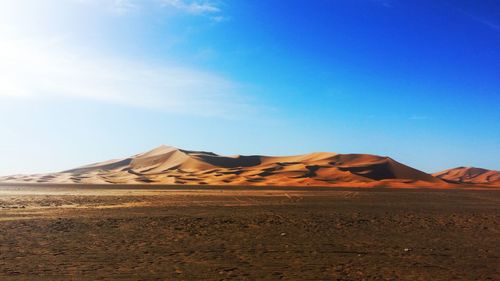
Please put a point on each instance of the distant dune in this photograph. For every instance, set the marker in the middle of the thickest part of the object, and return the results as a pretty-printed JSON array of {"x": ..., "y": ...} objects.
[
  {"x": 170, "y": 165},
  {"x": 470, "y": 175}
]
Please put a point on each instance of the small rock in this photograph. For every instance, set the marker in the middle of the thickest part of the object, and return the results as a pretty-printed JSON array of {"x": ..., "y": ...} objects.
[
  {"x": 283, "y": 234},
  {"x": 406, "y": 249}
]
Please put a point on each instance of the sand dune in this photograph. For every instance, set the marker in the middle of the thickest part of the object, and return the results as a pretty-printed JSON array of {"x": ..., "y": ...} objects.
[
  {"x": 170, "y": 165},
  {"x": 470, "y": 175}
]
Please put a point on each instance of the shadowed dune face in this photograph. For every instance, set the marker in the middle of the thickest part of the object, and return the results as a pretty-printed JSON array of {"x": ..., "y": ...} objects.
[
  {"x": 470, "y": 175},
  {"x": 170, "y": 165},
  {"x": 229, "y": 162}
]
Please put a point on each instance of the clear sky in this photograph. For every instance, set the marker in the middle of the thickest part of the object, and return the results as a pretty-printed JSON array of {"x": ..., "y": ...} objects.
[{"x": 88, "y": 80}]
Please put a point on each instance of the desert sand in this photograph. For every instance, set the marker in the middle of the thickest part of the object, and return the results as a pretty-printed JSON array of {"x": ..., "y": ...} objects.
[
  {"x": 470, "y": 175},
  {"x": 117, "y": 232},
  {"x": 170, "y": 165}
]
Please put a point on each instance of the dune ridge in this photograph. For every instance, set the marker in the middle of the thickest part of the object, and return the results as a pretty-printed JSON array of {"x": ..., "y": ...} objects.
[
  {"x": 171, "y": 165},
  {"x": 470, "y": 175}
]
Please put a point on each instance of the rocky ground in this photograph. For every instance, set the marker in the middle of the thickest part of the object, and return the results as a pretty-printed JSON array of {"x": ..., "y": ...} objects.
[{"x": 76, "y": 233}]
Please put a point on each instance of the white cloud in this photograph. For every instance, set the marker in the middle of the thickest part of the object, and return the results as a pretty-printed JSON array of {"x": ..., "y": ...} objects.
[
  {"x": 119, "y": 7},
  {"x": 208, "y": 9},
  {"x": 123, "y": 6},
  {"x": 185, "y": 6},
  {"x": 482, "y": 20},
  {"x": 34, "y": 70},
  {"x": 192, "y": 7},
  {"x": 486, "y": 22}
]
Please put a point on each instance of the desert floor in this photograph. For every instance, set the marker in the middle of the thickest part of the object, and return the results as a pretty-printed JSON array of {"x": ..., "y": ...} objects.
[{"x": 162, "y": 233}]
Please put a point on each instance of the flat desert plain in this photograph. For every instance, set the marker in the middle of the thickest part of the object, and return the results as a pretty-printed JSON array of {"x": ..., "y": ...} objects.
[{"x": 78, "y": 232}]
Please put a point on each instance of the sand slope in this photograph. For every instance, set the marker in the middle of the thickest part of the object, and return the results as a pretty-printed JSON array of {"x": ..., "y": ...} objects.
[
  {"x": 470, "y": 175},
  {"x": 170, "y": 165}
]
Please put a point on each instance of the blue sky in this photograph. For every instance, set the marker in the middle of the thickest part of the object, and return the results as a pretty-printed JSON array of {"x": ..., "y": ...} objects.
[{"x": 88, "y": 80}]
